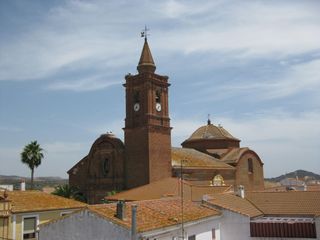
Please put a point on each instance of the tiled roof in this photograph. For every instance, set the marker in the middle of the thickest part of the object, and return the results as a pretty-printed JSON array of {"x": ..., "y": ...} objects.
[
  {"x": 155, "y": 190},
  {"x": 313, "y": 187},
  {"x": 221, "y": 152},
  {"x": 168, "y": 187},
  {"x": 195, "y": 159},
  {"x": 235, "y": 204},
  {"x": 293, "y": 203},
  {"x": 146, "y": 56},
  {"x": 211, "y": 131},
  {"x": 197, "y": 192},
  {"x": 286, "y": 203},
  {"x": 156, "y": 214},
  {"x": 32, "y": 201},
  {"x": 234, "y": 155}
]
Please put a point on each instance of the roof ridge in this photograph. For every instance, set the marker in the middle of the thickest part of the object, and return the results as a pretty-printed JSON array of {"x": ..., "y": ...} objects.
[
  {"x": 205, "y": 132},
  {"x": 254, "y": 205},
  {"x": 222, "y": 133}
]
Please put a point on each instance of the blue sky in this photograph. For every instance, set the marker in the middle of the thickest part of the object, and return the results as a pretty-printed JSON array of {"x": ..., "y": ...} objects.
[{"x": 254, "y": 66}]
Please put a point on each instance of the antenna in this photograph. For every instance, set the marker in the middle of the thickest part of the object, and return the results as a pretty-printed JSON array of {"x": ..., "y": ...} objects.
[
  {"x": 181, "y": 189},
  {"x": 145, "y": 33}
]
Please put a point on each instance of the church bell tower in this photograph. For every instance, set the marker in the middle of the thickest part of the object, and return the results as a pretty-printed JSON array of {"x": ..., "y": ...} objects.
[{"x": 147, "y": 132}]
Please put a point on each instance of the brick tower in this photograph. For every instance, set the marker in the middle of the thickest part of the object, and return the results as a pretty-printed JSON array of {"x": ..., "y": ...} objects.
[{"x": 147, "y": 131}]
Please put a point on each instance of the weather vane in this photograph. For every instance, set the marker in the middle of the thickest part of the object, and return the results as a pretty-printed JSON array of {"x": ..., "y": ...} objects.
[{"x": 144, "y": 32}]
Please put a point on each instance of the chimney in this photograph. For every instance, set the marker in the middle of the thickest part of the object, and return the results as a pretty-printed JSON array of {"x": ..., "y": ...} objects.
[
  {"x": 23, "y": 185},
  {"x": 121, "y": 210},
  {"x": 133, "y": 222},
  {"x": 241, "y": 191}
]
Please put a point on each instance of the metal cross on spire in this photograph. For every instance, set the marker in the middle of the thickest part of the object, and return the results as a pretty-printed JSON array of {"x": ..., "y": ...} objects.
[{"x": 144, "y": 32}]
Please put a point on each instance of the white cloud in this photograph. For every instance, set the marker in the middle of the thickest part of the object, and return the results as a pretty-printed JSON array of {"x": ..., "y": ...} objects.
[
  {"x": 182, "y": 10},
  {"x": 10, "y": 129},
  {"x": 299, "y": 78},
  {"x": 61, "y": 147},
  {"x": 247, "y": 29},
  {"x": 101, "y": 33},
  {"x": 81, "y": 85},
  {"x": 115, "y": 127},
  {"x": 60, "y": 156}
]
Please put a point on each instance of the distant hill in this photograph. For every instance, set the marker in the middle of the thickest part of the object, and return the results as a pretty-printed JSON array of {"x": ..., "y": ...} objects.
[
  {"x": 301, "y": 174},
  {"x": 39, "y": 182}
]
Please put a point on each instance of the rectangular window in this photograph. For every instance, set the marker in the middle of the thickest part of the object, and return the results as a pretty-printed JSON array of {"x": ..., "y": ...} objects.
[
  {"x": 213, "y": 234},
  {"x": 29, "y": 228},
  {"x": 192, "y": 237},
  {"x": 250, "y": 165}
]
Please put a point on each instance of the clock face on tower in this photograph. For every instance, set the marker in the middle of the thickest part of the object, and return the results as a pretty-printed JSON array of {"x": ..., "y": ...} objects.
[
  {"x": 158, "y": 107},
  {"x": 136, "y": 107}
]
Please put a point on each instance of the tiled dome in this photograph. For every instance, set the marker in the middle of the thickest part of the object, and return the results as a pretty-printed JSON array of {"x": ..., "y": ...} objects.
[{"x": 211, "y": 131}]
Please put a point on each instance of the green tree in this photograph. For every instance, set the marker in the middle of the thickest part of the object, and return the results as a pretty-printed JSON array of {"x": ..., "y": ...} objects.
[
  {"x": 69, "y": 192},
  {"x": 32, "y": 155}
]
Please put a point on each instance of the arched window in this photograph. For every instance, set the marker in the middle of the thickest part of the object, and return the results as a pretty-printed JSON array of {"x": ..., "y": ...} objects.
[
  {"x": 136, "y": 97},
  {"x": 106, "y": 167},
  {"x": 158, "y": 96},
  {"x": 250, "y": 165}
]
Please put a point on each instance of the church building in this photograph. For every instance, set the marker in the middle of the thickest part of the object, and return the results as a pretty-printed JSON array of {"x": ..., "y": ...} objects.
[{"x": 211, "y": 155}]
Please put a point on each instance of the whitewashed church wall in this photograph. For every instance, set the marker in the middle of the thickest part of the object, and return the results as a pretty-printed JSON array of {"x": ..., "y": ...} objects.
[
  {"x": 201, "y": 229},
  {"x": 234, "y": 226}
]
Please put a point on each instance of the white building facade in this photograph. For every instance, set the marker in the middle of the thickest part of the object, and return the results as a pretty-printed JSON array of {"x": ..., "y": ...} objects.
[{"x": 84, "y": 225}]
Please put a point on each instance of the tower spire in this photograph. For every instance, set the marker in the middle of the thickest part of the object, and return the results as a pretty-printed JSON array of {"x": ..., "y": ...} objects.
[{"x": 146, "y": 63}]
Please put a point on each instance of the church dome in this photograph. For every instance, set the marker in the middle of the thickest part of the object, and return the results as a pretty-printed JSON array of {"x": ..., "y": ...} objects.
[
  {"x": 211, "y": 136},
  {"x": 211, "y": 131}
]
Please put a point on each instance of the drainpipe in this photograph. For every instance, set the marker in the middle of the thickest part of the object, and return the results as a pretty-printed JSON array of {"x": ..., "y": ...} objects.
[
  {"x": 134, "y": 222},
  {"x": 121, "y": 210}
]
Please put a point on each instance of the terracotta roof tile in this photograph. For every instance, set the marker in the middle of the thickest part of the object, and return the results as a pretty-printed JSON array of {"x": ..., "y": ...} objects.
[
  {"x": 146, "y": 56},
  {"x": 168, "y": 187},
  {"x": 195, "y": 159},
  {"x": 286, "y": 203},
  {"x": 234, "y": 203},
  {"x": 293, "y": 203},
  {"x": 32, "y": 201},
  {"x": 233, "y": 155},
  {"x": 155, "y": 214},
  {"x": 313, "y": 187},
  {"x": 211, "y": 131},
  {"x": 221, "y": 152},
  {"x": 155, "y": 190}
]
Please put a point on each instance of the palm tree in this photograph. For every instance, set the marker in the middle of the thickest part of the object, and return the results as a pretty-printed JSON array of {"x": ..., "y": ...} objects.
[
  {"x": 31, "y": 156},
  {"x": 69, "y": 192}
]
